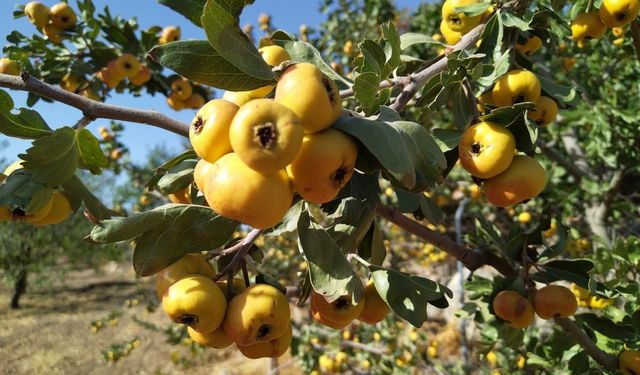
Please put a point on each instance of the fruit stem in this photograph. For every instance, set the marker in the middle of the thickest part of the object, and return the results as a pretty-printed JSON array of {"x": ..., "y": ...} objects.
[{"x": 240, "y": 249}]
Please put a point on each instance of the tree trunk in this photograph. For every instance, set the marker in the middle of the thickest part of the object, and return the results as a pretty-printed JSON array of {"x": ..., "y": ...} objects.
[{"x": 19, "y": 287}]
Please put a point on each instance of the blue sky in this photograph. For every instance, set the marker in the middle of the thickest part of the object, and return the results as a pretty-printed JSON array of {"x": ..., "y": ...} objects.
[{"x": 286, "y": 14}]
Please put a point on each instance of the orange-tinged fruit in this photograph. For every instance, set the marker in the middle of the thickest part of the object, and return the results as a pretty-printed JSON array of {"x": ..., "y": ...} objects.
[
  {"x": 195, "y": 101},
  {"x": 532, "y": 45},
  {"x": 265, "y": 135},
  {"x": 486, "y": 149},
  {"x": 459, "y": 21},
  {"x": 111, "y": 80},
  {"x": 338, "y": 313},
  {"x": 143, "y": 76},
  {"x": 195, "y": 300},
  {"x": 8, "y": 66},
  {"x": 175, "y": 103},
  {"x": 200, "y": 173},
  {"x": 181, "y": 196},
  {"x": 375, "y": 309},
  {"x": 257, "y": 315},
  {"x": 37, "y": 215},
  {"x": 53, "y": 33},
  {"x": 37, "y": 13},
  {"x": 523, "y": 180},
  {"x": 127, "y": 65},
  {"x": 618, "y": 31},
  {"x": 190, "y": 264},
  {"x": 510, "y": 306},
  {"x": 217, "y": 339},
  {"x": 545, "y": 112},
  {"x": 70, "y": 82},
  {"x": 617, "y": 13},
  {"x": 516, "y": 86},
  {"x": 323, "y": 166},
  {"x": 238, "y": 286},
  {"x": 629, "y": 362},
  {"x": 60, "y": 210},
  {"x": 554, "y": 300},
  {"x": 170, "y": 34},
  {"x": 5, "y": 213},
  {"x": 236, "y": 191},
  {"x": 63, "y": 16},
  {"x": 182, "y": 89},
  {"x": 311, "y": 95},
  {"x": 209, "y": 130},
  {"x": 587, "y": 26},
  {"x": 269, "y": 349}
]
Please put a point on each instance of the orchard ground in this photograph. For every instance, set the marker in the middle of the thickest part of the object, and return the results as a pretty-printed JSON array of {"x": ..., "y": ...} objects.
[{"x": 52, "y": 332}]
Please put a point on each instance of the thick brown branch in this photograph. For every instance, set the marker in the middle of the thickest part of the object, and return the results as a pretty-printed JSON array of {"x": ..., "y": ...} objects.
[
  {"x": 472, "y": 259},
  {"x": 572, "y": 330},
  {"x": 91, "y": 108},
  {"x": 635, "y": 35}
]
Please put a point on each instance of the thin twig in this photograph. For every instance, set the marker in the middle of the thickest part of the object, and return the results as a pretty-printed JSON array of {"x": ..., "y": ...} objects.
[
  {"x": 82, "y": 123},
  {"x": 573, "y": 330},
  {"x": 240, "y": 249},
  {"x": 635, "y": 35},
  {"x": 90, "y": 108}
]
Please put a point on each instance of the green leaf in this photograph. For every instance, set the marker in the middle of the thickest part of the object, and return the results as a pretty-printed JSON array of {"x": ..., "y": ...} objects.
[
  {"x": 27, "y": 123},
  {"x": 289, "y": 223},
  {"x": 506, "y": 116},
  {"x": 492, "y": 37},
  {"x": 221, "y": 23},
  {"x": 417, "y": 160},
  {"x": 166, "y": 234},
  {"x": 560, "y": 93},
  {"x": 198, "y": 61},
  {"x": 409, "y": 39},
  {"x": 447, "y": 139},
  {"x": 350, "y": 224},
  {"x": 576, "y": 271},
  {"x": 178, "y": 177},
  {"x": 372, "y": 246},
  {"x": 331, "y": 274},
  {"x": 519, "y": 22},
  {"x": 192, "y": 9},
  {"x": 75, "y": 189},
  {"x": 608, "y": 328},
  {"x": 169, "y": 164},
  {"x": 368, "y": 94},
  {"x": 91, "y": 155},
  {"x": 474, "y": 10},
  {"x": 53, "y": 159},
  {"x": 407, "y": 295}
]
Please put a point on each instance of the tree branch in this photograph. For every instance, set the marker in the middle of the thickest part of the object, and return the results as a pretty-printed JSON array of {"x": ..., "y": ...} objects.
[
  {"x": 92, "y": 109},
  {"x": 635, "y": 35},
  {"x": 241, "y": 249},
  {"x": 570, "y": 141},
  {"x": 569, "y": 165},
  {"x": 574, "y": 332},
  {"x": 471, "y": 258}
]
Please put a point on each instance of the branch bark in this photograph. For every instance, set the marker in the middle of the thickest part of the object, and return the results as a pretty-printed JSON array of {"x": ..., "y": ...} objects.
[
  {"x": 574, "y": 332},
  {"x": 635, "y": 35},
  {"x": 92, "y": 109}
]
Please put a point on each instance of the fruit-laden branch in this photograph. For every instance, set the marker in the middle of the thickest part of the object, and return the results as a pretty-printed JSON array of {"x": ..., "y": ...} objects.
[
  {"x": 635, "y": 35},
  {"x": 92, "y": 109},
  {"x": 471, "y": 258},
  {"x": 412, "y": 82},
  {"x": 574, "y": 332}
]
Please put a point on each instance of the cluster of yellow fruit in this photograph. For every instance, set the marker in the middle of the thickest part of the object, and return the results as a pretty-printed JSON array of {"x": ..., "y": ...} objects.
[
  {"x": 169, "y": 34},
  {"x": 124, "y": 66},
  {"x": 454, "y": 25},
  {"x": 340, "y": 313},
  {"x": 182, "y": 96},
  {"x": 585, "y": 299},
  {"x": 54, "y": 211},
  {"x": 246, "y": 141},
  {"x": 612, "y": 13},
  {"x": 548, "y": 302},
  {"x": 52, "y": 22},
  {"x": 257, "y": 319}
]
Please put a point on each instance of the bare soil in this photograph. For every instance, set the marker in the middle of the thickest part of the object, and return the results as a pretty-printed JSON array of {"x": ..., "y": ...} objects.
[{"x": 51, "y": 333}]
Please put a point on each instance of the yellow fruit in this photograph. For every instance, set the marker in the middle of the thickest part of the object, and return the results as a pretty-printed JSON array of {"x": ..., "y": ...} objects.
[
  {"x": 209, "y": 130},
  {"x": 182, "y": 89},
  {"x": 181, "y": 196},
  {"x": 486, "y": 149},
  {"x": 190, "y": 264},
  {"x": 265, "y": 135},
  {"x": 40, "y": 214},
  {"x": 257, "y": 315},
  {"x": 13, "y": 167},
  {"x": 568, "y": 62},
  {"x": 311, "y": 95},
  {"x": 554, "y": 300},
  {"x": 485, "y": 98},
  {"x": 238, "y": 287},
  {"x": 273, "y": 56},
  {"x": 629, "y": 362},
  {"x": 522, "y": 361},
  {"x": 616, "y": 13},
  {"x": 53, "y": 33},
  {"x": 587, "y": 26},
  {"x": 238, "y": 98},
  {"x": 126, "y": 65},
  {"x": 8, "y": 66},
  {"x": 579, "y": 292},
  {"x": 516, "y": 86},
  {"x": 63, "y": 17},
  {"x": 170, "y": 34},
  {"x": 618, "y": 42},
  {"x": 269, "y": 349},
  {"x": 524, "y": 218},
  {"x": 106, "y": 75},
  {"x": 375, "y": 309},
  {"x": 492, "y": 358},
  {"x": 200, "y": 173},
  {"x": 459, "y": 21},
  {"x": 5, "y": 213},
  {"x": 60, "y": 210},
  {"x": 326, "y": 364},
  {"x": 143, "y": 76},
  {"x": 338, "y": 313},
  {"x": 37, "y": 13},
  {"x": 524, "y": 179},
  {"x": 195, "y": 101},
  {"x": 238, "y": 192},
  {"x": 530, "y": 47},
  {"x": 323, "y": 166},
  {"x": 513, "y": 308},
  {"x": 174, "y": 103},
  {"x": 196, "y": 301},
  {"x": 70, "y": 82},
  {"x": 545, "y": 112},
  {"x": 450, "y": 36},
  {"x": 215, "y": 339},
  {"x": 618, "y": 31},
  {"x": 599, "y": 303}
]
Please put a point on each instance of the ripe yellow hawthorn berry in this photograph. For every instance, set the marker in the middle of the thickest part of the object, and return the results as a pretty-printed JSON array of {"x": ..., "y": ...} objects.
[{"x": 486, "y": 149}]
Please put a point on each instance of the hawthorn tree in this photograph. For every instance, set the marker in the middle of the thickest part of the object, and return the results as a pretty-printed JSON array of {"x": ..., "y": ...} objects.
[{"x": 425, "y": 99}]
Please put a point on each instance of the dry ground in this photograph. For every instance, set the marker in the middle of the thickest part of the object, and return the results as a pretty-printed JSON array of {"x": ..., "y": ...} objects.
[{"x": 51, "y": 333}]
